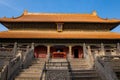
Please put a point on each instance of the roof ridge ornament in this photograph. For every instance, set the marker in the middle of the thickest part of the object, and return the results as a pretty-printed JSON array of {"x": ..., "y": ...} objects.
[
  {"x": 25, "y": 12},
  {"x": 94, "y": 13},
  {"x": 4, "y": 17},
  {"x": 13, "y": 17}
]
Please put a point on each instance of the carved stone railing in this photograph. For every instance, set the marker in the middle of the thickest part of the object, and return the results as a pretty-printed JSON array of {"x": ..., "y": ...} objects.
[
  {"x": 27, "y": 54},
  {"x": 9, "y": 56},
  {"x": 88, "y": 56},
  {"x": 15, "y": 58},
  {"x": 14, "y": 67},
  {"x": 3, "y": 73},
  {"x": 91, "y": 57},
  {"x": 27, "y": 58},
  {"x": 10, "y": 67},
  {"x": 118, "y": 49},
  {"x": 42, "y": 77},
  {"x": 8, "y": 52},
  {"x": 104, "y": 69}
]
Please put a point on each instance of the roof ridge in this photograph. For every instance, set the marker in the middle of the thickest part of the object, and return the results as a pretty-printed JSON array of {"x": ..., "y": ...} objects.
[{"x": 94, "y": 13}]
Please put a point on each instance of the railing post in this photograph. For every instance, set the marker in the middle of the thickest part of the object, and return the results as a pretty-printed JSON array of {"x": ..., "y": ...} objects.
[
  {"x": 91, "y": 56},
  {"x": 27, "y": 49},
  {"x": 15, "y": 48},
  {"x": 48, "y": 52},
  {"x": 102, "y": 49},
  {"x": 32, "y": 46},
  {"x": 84, "y": 50},
  {"x": 118, "y": 49}
]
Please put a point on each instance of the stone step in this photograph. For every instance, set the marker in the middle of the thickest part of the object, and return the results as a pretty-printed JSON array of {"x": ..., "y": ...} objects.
[
  {"x": 81, "y": 61},
  {"x": 35, "y": 69},
  {"x": 64, "y": 68},
  {"x": 84, "y": 66},
  {"x": 113, "y": 62},
  {"x": 89, "y": 74},
  {"x": 79, "y": 64},
  {"x": 31, "y": 72},
  {"x": 115, "y": 65},
  {"x": 39, "y": 58},
  {"x": 37, "y": 62},
  {"x": 88, "y": 70},
  {"x": 29, "y": 75},
  {"x": 57, "y": 65},
  {"x": 39, "y": 67},
  {"x": 80, "y": 67},
  {"x": 86, "y": 78},
  {"x": 78, "y": 60},
  {"x": 58, "y": 60},
  {"x": 27, "y": 78},
  {"x": 84, "y": 73},
  {"x": 32, "y": 69}
]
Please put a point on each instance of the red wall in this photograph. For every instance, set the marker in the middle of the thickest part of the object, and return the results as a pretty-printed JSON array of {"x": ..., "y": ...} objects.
[{"x": 40, "y": 51}]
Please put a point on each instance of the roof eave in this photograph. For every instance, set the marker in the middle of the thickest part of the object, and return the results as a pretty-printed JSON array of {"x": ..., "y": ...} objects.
[{"x": 12, "y": 20}]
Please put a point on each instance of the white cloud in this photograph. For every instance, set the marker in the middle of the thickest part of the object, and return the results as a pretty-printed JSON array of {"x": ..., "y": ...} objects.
[{"x": 7, "y": 4}]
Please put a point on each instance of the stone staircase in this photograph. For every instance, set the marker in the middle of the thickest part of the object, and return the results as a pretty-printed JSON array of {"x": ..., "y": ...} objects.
[
  {"x": 57, "y": 64},
  {"x": 116, "y": 67},
  {"x": 80, "y": 70},
  {"x": 79, "y": 64},
  {"x": 85, "y": 75},
  {"x": 33, "y": 72}
]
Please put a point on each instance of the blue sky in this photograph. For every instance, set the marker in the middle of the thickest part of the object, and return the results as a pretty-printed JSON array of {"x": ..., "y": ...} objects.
[{"x": 105, "y": 8}]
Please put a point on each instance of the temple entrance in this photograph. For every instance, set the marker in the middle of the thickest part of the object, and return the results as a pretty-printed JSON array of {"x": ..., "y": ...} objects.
[
  {"x": 59, "y": 51},
  {"x": 77, "y": 52},
  {"x": 40, "y": 51}
]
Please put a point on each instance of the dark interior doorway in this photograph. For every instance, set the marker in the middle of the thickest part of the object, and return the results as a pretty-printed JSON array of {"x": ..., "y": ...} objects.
[{"x": 76, "y": 53}]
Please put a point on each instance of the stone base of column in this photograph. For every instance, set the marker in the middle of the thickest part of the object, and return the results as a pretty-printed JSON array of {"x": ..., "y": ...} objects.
[{"x": 48, "y": 57}]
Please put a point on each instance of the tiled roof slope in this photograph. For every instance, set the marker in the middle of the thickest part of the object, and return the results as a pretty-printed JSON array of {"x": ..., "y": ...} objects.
[
  {"x": 57, "y": 17},
  {"x": 60, "y": 35}
]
